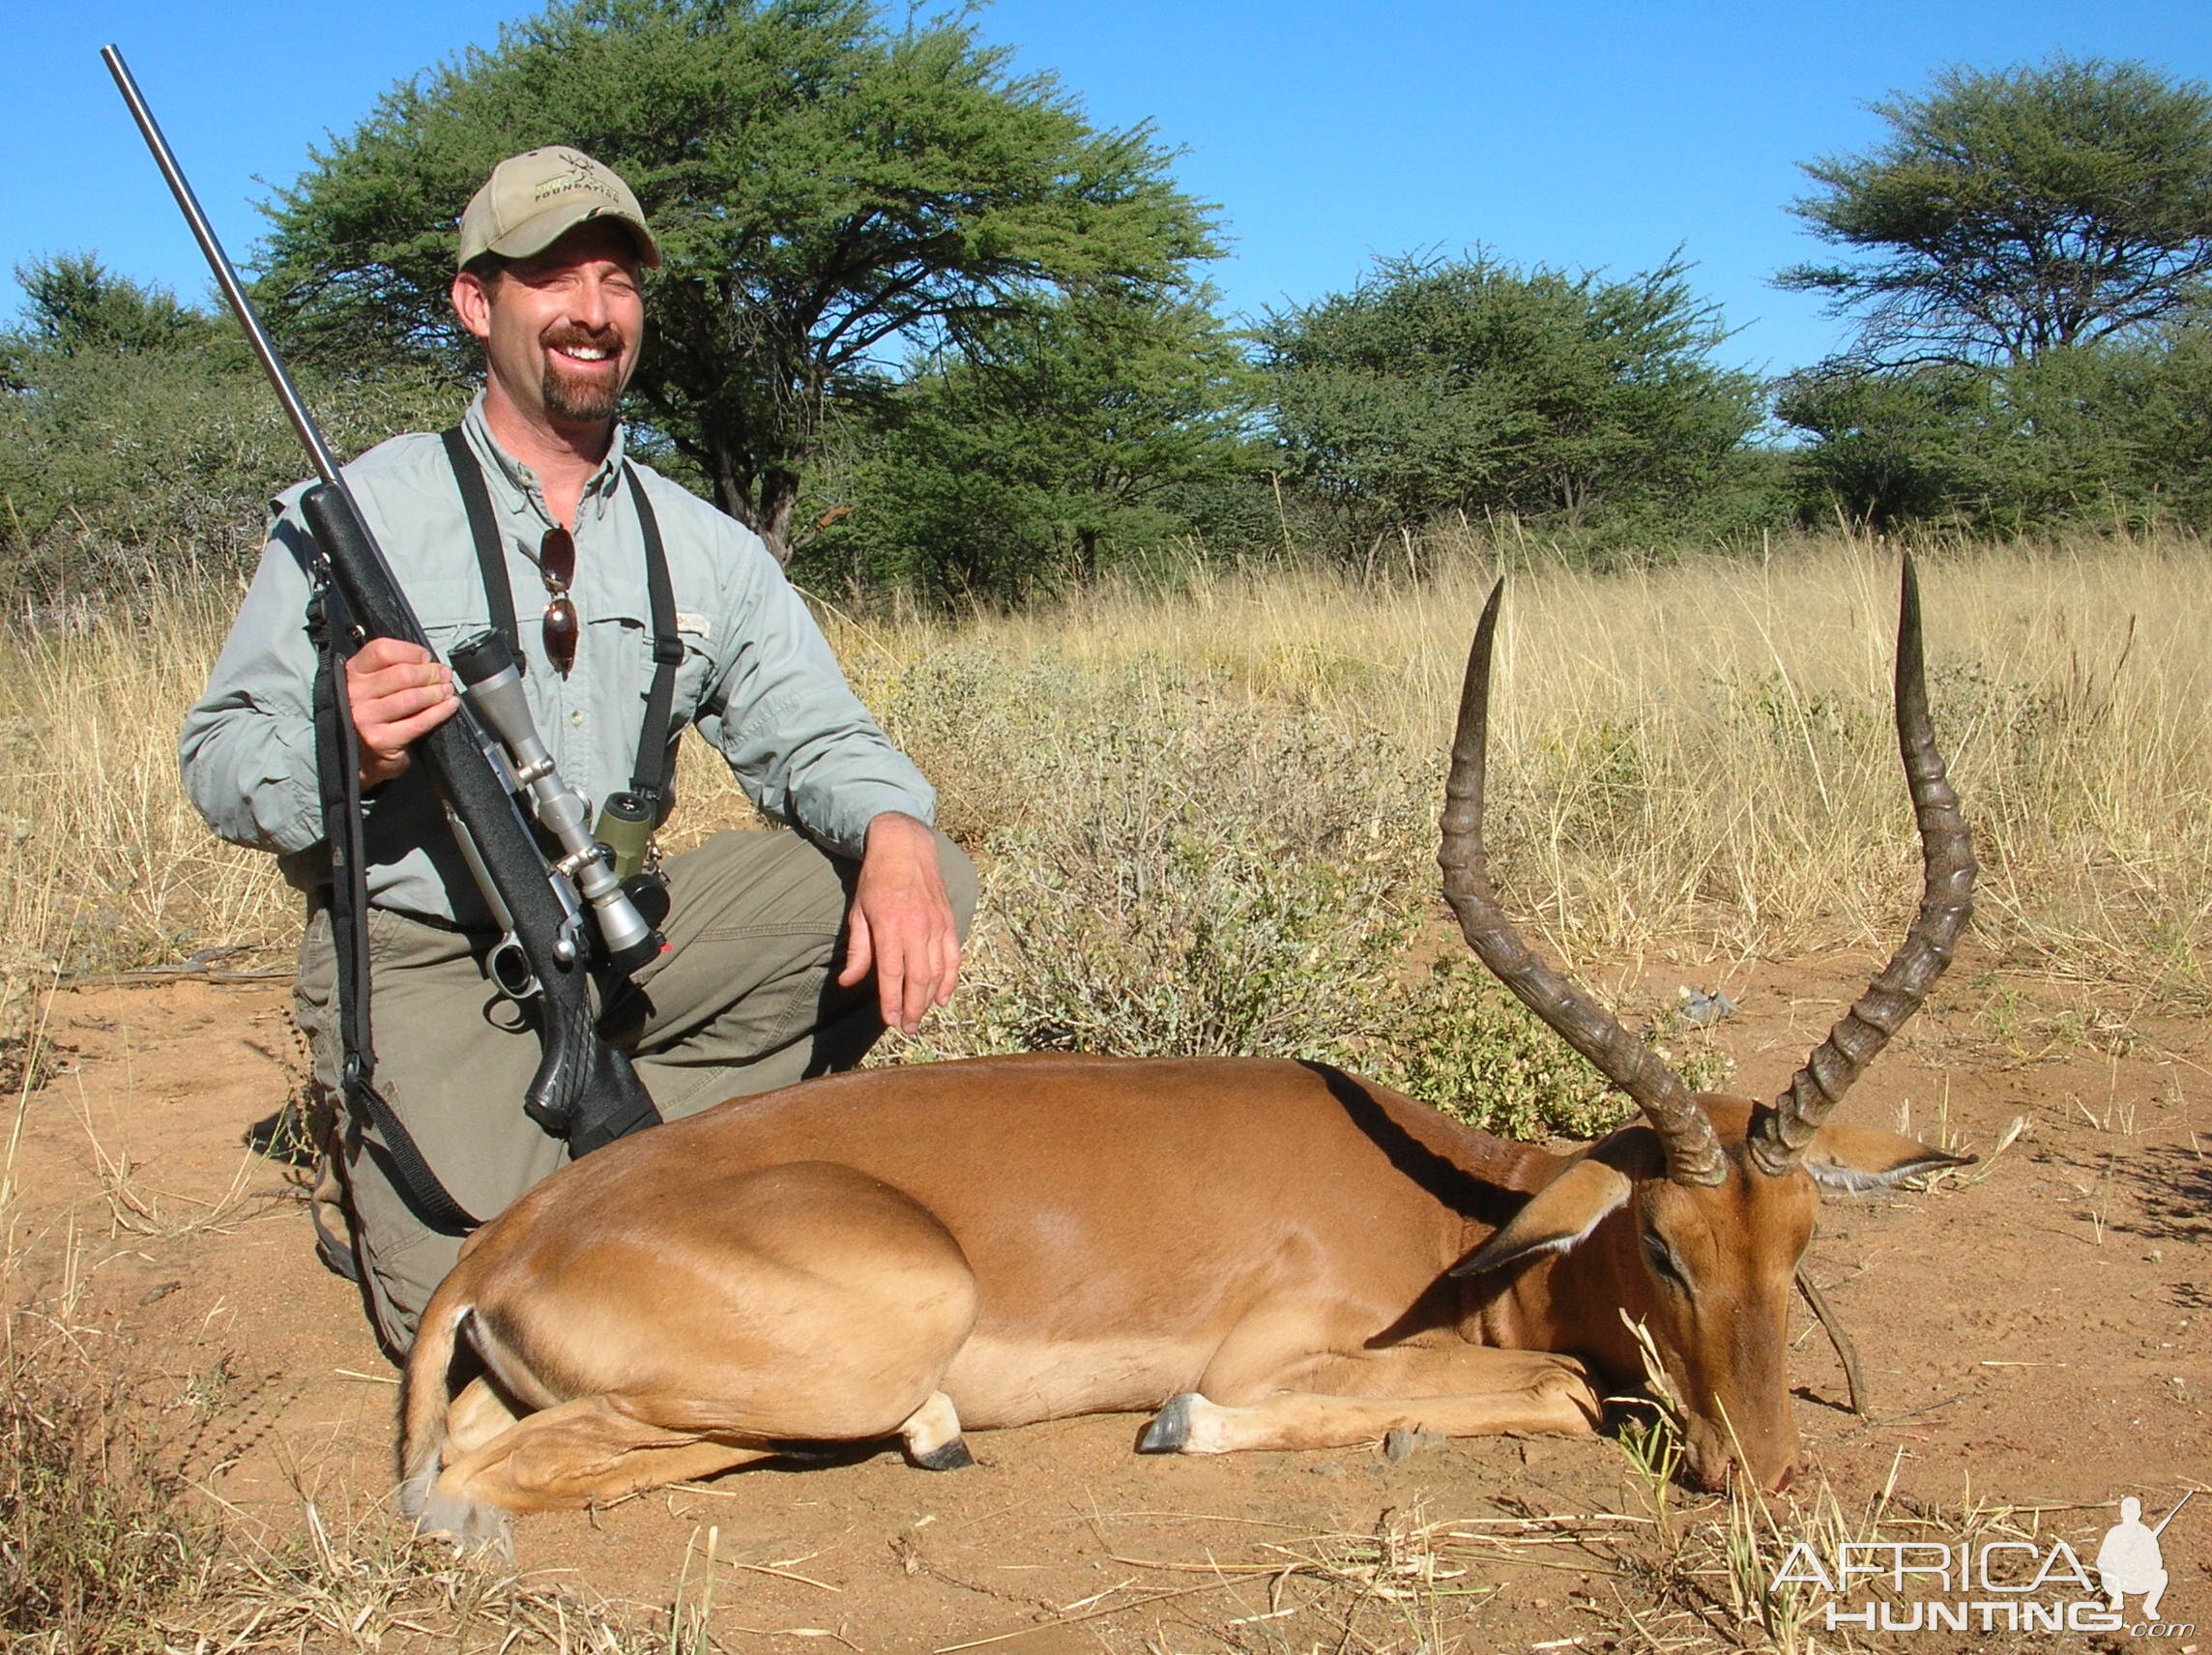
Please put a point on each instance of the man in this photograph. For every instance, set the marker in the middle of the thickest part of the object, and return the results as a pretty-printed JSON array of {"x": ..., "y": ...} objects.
[{"x": 790, "y": 953}]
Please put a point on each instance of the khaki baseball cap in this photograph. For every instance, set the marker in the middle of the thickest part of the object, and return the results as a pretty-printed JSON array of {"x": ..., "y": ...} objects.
[{"x": 533, "y": 199}]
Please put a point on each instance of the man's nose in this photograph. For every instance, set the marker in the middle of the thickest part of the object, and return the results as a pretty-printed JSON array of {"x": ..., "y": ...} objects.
[{"x": 588, "y": 303}]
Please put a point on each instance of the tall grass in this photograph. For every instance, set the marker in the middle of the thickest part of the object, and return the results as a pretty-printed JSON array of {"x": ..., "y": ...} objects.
[{"x": 1696, "y": 757}]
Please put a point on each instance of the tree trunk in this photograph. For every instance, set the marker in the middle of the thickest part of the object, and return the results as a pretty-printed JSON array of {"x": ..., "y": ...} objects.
[
  {"x": 733, "y": 492},
  {"x": 778, "y": 499}
]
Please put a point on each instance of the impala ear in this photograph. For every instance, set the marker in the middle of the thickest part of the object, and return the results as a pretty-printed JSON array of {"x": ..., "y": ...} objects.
[
  {"x": 1848, "y": 1159},
  {"x": 1557, "y": 1217}
]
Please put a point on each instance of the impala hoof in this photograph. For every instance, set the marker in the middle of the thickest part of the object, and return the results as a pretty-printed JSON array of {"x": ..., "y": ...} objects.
[
  {"x": 1170, "y": 1430},
  {"x": 952, "y": 1456},
  {"x": 471, "y": 1526}
]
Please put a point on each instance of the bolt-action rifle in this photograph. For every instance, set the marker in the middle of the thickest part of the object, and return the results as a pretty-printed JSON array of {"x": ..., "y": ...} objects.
[{"x": 584, "y": 1090}]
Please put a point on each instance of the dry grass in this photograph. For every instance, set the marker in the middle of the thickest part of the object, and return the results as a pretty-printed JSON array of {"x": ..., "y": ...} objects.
[
  {"x": 107, "y": 865},
  {"x": 1207, "y": 815},
  {"x": 1697, "y": 756}
]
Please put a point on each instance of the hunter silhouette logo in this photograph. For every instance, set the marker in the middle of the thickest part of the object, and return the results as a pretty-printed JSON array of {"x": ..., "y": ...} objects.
[
  {"x": 2017, "y": 1585},
  {"x": 2130, "y": 1560}
]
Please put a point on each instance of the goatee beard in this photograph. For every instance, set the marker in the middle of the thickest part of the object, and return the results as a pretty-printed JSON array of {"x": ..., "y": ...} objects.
[
  {"x": 580, "y": 401},
  {"x": 591, "y": 402}
]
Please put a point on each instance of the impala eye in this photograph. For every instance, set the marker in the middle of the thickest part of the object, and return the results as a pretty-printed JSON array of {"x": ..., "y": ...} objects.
[{"x": 1663, "y": 1262}]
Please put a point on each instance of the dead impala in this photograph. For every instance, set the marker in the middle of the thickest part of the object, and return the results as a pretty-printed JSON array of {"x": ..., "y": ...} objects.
[{"x": 1269, "y": 1254}]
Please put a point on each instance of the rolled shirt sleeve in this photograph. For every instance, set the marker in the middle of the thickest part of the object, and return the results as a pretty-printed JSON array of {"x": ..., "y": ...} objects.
[
  {"x": 247, "y": 751},
  {"x": 779, "y": 711}
]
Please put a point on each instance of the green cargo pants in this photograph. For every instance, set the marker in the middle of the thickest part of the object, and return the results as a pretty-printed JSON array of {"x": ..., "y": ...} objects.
[{"x": 744, "y": 1002}]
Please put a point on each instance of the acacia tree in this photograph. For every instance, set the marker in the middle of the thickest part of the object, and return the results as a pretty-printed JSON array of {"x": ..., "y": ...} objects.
[
  {"x": 1051, "y": 444},
  {"x": 2014, "y": 212},
  {"x": 826, "y": 191},
  {"x": 1468, "y": 384}
]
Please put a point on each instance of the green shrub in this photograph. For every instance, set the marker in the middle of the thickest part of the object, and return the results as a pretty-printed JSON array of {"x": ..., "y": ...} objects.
[{"x": 1173, "y": 869}]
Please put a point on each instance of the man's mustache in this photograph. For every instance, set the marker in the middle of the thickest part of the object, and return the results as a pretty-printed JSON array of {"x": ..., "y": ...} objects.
[{"x": 569, "y": 335}]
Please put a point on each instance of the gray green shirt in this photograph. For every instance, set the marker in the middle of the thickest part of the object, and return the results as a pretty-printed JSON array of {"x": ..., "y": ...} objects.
[{"x": 758, "y": 678}]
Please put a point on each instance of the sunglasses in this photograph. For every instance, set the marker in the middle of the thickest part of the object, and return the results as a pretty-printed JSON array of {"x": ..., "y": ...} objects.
[{"x": 557, "y": 568}]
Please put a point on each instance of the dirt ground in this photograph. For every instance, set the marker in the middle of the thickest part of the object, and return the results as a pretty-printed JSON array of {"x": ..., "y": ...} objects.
[{"x": 2033, "y": 1335}]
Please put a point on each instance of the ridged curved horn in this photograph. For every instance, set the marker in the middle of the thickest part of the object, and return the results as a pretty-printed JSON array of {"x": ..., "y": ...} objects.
[
  {"x": 1693, "y": 1151},
  {"x": 1779, "y": 1137}
]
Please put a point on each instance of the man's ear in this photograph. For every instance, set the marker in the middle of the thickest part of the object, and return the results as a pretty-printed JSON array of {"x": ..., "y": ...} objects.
[
  {"x": 472, "y": 303},
  {"x": 1851, "y": 1158},
  {"x": 1557, "y": 1216}
]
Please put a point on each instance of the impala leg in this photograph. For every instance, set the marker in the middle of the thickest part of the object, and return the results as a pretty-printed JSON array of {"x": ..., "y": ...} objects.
[
  {"x": 932, "y": 1436},
  {"x": 1347, "y": 1399},
  {"x": 474, "y": 1417},
  {"x": 581, "y": 1453}
]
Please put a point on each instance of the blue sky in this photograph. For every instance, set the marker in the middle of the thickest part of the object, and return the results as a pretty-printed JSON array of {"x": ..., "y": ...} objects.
[{"x": 1580, "y": 134}]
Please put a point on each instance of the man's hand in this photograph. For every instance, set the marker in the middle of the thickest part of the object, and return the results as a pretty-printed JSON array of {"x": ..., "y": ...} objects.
[
  {"x": 902, "y": 924},
  {"x": 400, "y": 693}
]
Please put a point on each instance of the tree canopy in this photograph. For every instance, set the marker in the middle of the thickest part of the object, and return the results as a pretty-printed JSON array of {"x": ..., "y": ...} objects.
[
  {"x": 1053, "y": 444},
  {"x": 134, "y": 427},
  {"x": 74, "y": 303},
  {"x": 827, "y": 189},
  {"x": 1442, "y": 385},
  {"x": 2013, "y": 212}
]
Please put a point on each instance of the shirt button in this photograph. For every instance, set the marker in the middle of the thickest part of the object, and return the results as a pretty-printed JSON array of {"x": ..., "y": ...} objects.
[{"x": 578, "y": 719}]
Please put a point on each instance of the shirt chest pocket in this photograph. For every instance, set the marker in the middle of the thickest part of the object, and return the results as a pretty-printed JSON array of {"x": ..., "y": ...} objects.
[
  {"x": 626, "y": 641},
  {"x": 450, "y": 611}
]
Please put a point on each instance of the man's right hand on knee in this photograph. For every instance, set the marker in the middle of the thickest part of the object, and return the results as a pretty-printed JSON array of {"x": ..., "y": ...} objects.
[{"x": 400, "y": 693}]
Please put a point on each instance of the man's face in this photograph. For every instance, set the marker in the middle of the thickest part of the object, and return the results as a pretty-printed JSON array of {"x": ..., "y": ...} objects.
[{"x": 561, "y": 329}]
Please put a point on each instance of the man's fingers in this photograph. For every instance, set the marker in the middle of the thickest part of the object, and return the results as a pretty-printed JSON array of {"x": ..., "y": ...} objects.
[
  {"x": 398, "y": 694},
  {"x": 860, "y": 951},
  {"x": 405, "y": 732},
  {"x": 386, "y": 725},
  {"x": 894, "y": 992},
  {"x": 949, "y": 975},
  {"x": 389, "y": 704},
  {"x": 428, "y": 681},
  {"x": 927, "y": 953},
  {"x": 378, "y": 654},
  {"x": 913, "y": 941}
]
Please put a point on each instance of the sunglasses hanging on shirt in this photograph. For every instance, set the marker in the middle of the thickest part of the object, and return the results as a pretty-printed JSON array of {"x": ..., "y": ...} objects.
[{"x": 557, "y": 568}]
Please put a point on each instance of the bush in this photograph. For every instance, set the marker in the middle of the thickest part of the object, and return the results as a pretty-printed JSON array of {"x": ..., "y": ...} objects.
[
  {"x": 2111, "y": 436},
  {"x": 113, "y": 461},
  {"x": 1173, "y": 870}
]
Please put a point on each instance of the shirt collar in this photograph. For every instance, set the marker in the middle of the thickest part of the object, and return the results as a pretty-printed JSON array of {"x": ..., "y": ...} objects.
[{"x": 599, "y": 489}]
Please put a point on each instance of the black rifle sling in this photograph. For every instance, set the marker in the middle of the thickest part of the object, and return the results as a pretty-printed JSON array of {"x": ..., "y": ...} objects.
[
  {"x": 650, "y": 774},
  {"x": 337, "y": 768},
  {"x": 484, "y": 530},
  {"x": 649, "y": 770}
]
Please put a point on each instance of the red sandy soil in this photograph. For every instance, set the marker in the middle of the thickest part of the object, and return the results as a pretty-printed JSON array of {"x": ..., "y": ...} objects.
[{"x": 2034, "y": 1336}]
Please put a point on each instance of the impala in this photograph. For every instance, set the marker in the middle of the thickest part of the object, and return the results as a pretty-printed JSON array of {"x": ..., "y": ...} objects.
[{"x": 1259, "y": 1254}]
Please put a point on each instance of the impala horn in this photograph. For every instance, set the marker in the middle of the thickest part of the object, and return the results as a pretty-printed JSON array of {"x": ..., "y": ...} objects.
[
  {"x": 1780, "y": 1134},
  {"x": 1693, "y": 1151}
]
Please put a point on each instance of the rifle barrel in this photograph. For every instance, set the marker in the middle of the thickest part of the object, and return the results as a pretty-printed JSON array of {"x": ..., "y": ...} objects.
[
  {"x": 2171, "y": 1515},
  {"x": 326, "y": 464}
]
